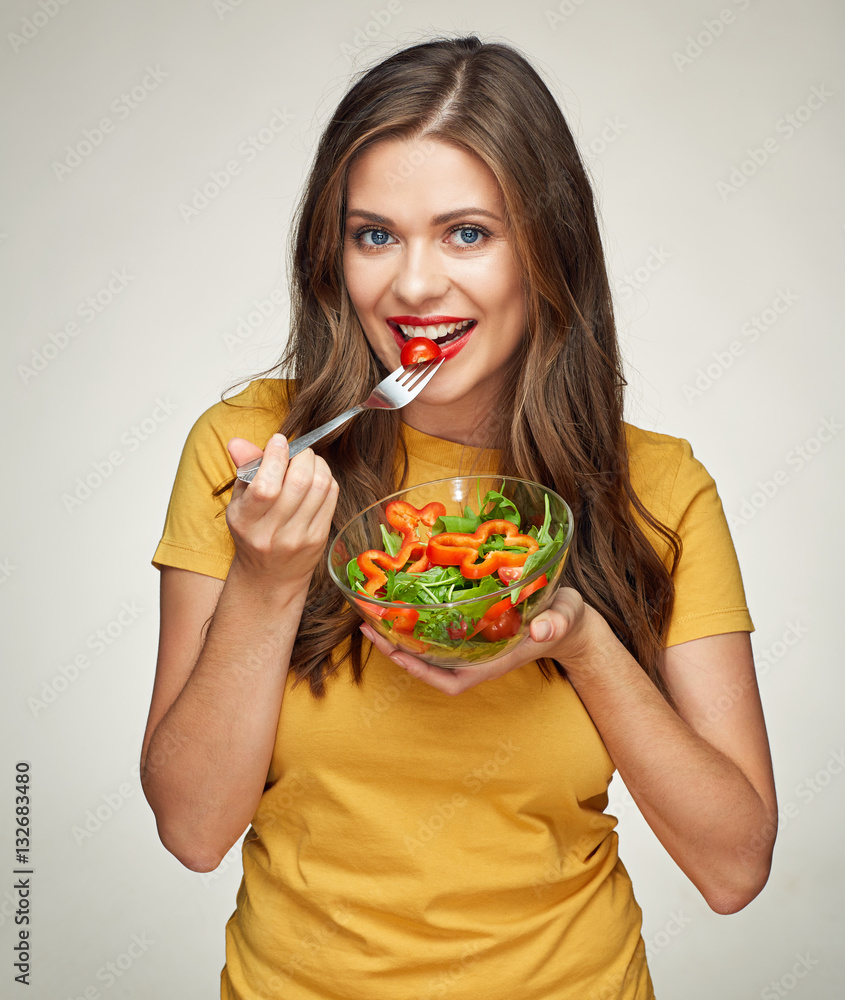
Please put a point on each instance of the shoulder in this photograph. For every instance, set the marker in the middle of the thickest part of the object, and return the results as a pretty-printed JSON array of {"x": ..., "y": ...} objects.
[
  {"x": 258, "y": 407},
  {"x": 254, "y": 413},
  {"x": 665, "y": 474},
  {"x": 652, "y": 453}
]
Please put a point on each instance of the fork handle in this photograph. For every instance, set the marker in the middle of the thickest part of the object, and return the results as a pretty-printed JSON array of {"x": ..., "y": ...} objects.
[{"x": 246, "y": 473}]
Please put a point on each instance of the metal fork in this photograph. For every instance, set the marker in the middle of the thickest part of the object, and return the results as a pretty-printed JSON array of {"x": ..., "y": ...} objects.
[{"x": 392, "y": 393}]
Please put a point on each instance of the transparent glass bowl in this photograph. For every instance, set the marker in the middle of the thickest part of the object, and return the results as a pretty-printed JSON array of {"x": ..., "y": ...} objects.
[{"x": 442, "y": 634}]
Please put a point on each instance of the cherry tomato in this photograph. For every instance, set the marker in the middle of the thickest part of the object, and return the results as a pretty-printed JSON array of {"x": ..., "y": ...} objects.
[
  {"x": 507, "y": 574},
  {"x": 504, "y": 626},
  {"x": 457, "y": 630},
  {"x": 419, "y": 349}
]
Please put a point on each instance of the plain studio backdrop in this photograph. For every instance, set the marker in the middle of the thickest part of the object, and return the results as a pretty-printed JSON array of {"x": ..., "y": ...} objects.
[{"x": 154, "y": 153}]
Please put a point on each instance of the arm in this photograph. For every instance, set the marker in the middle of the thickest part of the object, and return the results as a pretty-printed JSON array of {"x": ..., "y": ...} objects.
[
  {"x": 700, "y": 774},
  {"x": 216, "y": 699}
]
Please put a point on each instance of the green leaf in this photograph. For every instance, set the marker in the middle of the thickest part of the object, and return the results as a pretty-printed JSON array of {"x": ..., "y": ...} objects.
[
  {"x": 502, "y": 508},
  {"x": 543, "y": 555},
  {"x": 462, "y": 525},
  {"x": 355, "y": 574},
  {"x": 392, "y": 540}
]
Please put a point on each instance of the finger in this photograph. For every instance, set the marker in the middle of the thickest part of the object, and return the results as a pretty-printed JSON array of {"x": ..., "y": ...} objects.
[
  {"x": 321, "y": 523},
  {"x": 443, "y": 679},
  {"x": 267, "y": 483},
  {"x": 308, "y": 484}
]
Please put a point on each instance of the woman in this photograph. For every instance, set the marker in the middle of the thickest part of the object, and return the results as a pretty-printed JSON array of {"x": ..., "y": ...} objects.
[{"x": 404, "y": 843}]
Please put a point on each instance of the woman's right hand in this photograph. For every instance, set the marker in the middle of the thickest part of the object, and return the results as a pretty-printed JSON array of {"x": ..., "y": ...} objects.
[{"x": 280, "y": 522}]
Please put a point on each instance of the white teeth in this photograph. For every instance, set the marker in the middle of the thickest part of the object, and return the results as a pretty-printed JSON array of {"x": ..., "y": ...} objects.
[{"x": 438, "y": 331}]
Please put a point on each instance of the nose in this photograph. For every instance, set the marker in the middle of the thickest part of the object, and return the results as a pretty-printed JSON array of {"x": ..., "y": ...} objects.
[{"x": 420, "y": 275}]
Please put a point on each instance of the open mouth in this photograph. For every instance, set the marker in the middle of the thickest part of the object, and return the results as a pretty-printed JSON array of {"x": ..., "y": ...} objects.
[{"x": 442, "y": 330}]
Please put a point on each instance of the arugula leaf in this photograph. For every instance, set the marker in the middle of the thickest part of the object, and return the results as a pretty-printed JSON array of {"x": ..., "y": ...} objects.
[
  {"x": 355, "y": 574},
  {"x": 502, "y": 509},
  {"x": 392, "y": 540},
  {"x": 463, "y": 525},
  {"x": 479, "y": 595},
  {"x": 543, "y": 554}
]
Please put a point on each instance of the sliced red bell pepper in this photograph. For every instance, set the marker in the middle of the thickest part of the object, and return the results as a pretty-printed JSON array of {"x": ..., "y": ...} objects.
[
  {"x": 374, "y": 562},
  {"x": 402, "y": 619},
  {"x": 405, "y": 518},
  {"x": 456, "y": 549}
]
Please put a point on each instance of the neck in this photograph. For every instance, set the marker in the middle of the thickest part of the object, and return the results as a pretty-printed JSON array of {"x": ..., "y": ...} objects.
[{"x": 471, "y": 429}]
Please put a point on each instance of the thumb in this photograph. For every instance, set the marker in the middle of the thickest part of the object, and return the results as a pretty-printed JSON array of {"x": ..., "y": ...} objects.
[
  {"x": 243, "y": 451},
  {"x": 548, "y": 627}
]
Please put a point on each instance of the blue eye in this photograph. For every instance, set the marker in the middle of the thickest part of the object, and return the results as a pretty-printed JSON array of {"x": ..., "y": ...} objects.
[
  {"x": 379, "y": 237},
  {"x": 469, "y": 235}
]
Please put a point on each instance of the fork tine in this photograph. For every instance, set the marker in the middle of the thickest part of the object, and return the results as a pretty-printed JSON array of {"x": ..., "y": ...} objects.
[{"x": 416, "y": 377}]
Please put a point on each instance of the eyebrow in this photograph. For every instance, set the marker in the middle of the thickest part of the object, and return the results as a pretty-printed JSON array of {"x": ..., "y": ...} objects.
[{"x": 437, "y": 220}]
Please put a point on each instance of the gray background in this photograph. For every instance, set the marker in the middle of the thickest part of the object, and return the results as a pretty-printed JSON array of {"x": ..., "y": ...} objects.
[{"x": 673, "y": 104}]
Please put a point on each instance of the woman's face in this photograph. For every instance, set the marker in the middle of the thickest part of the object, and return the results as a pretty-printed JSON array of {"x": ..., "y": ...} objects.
[{"x": 426, "y": 253}]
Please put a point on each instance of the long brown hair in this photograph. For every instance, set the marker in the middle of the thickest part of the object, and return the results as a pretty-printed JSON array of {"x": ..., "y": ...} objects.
[{"x": 566, "y": 427}]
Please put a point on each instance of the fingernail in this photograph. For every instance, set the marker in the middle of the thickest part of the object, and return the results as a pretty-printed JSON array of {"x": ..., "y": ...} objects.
[
  {"x": 541, "y": 631},
  {"x": 279, "y": 439}
]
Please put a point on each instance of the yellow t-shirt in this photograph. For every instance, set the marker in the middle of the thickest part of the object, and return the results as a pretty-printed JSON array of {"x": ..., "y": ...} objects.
[{"x": 412, "y": 845}]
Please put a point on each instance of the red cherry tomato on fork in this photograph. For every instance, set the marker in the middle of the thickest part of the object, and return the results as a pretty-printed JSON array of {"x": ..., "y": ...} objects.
[{"x": 419, "y": 349}]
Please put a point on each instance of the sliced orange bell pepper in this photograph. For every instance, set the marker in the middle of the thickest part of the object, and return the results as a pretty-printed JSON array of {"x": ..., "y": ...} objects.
[{"x": 456, "y": 549}]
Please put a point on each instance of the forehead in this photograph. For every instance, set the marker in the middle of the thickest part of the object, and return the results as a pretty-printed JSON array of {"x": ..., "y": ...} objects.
[{"x": 401, "y": 177}]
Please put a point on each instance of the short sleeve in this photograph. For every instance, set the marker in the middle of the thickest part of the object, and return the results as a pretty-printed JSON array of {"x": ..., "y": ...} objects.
[
  {"x": 196, "y": 535},
  {"x": 678, "y": 490},
  {"x": 709, "y": 594}
]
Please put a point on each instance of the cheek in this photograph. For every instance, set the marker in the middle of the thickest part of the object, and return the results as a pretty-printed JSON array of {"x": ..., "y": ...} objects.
[
  {"x": 356, "y": 289},
  {"x": 499, "y": 287},
  {"x": 363, "y": 287}
]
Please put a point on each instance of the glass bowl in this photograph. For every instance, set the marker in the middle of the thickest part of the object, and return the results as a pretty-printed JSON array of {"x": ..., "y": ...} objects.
[{"x": 445, "y": 623}]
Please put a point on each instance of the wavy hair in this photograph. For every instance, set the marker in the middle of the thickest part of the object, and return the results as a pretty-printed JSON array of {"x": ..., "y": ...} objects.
[{"x": 565, "y": 424}]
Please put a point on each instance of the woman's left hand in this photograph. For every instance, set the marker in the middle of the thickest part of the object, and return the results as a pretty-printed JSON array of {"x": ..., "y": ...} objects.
[{"x": 567, "y": 631}]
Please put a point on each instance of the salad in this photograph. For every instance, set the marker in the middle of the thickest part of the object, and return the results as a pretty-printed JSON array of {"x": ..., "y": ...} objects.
[{"x": 429, "y": 561}]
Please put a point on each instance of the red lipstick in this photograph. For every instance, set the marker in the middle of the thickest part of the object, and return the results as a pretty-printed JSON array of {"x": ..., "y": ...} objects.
[
  {"x": 426, "y": 320},
  {"x": 447, "y": 350}
]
